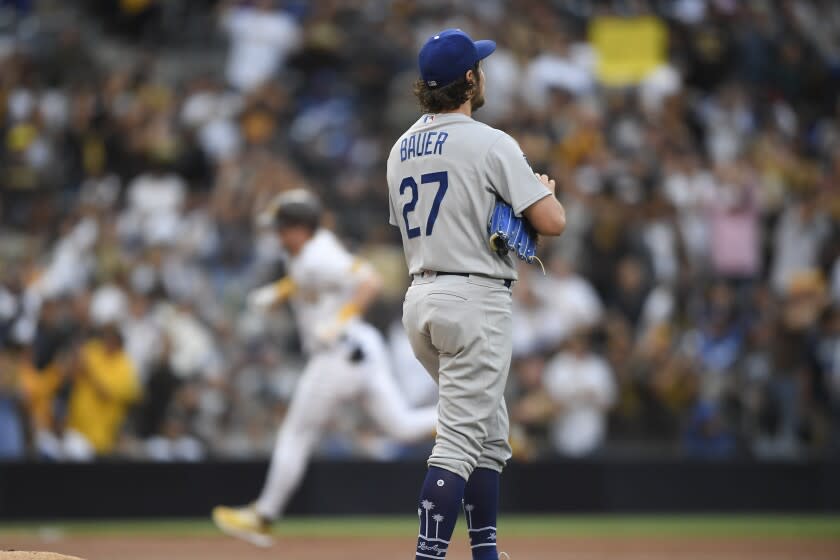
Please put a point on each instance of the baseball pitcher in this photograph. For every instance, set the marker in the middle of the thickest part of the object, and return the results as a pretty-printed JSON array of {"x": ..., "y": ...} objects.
[
  {"x": 467, "y": 203},
  {"x": 328, "y": 289}
]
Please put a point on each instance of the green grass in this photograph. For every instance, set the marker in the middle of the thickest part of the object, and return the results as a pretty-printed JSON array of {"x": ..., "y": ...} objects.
[{"x": 598, "y": 526}]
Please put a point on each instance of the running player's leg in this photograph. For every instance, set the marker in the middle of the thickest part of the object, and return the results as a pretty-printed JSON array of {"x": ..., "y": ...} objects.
[
  {"x": 312, "y": 404},
  {"x": 383, "y": 399}
]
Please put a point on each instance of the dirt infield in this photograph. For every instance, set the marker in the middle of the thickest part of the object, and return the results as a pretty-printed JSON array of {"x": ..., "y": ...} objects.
[
  {"x": 335, "y": 548},
  {"x": 25, "y": 555}
]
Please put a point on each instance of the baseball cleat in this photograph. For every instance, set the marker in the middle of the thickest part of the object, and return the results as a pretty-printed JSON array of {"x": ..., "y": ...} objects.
[
  {"x": 504, "y": 556},
  {"x": 243, "y": 523}
]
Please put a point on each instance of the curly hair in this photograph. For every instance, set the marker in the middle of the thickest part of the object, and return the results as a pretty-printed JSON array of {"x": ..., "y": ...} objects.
[{"x": 448, "y": 97}]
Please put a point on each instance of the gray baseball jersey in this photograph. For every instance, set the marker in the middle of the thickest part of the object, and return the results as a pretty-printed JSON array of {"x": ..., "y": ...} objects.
[{"x": 444, "y": 176}]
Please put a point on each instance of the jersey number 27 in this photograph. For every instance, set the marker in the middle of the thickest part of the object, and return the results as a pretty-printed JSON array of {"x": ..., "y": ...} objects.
[{"x": 442, "y": 180}]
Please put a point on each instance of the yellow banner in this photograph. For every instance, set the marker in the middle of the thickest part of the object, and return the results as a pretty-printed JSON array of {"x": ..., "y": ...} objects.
[{"x": 628, "y": 48}]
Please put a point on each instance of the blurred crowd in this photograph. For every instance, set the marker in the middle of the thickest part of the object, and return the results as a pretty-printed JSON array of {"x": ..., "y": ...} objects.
[{"x": 692, "y": 307}]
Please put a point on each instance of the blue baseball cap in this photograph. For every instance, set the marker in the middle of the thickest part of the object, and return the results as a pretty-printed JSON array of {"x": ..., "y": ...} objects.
[{"x": 448, "y": 55}]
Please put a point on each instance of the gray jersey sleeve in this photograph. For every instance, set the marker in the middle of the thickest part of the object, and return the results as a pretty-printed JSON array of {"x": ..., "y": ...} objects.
[
  {"x": 392, "y": 216},
  {"x": 511, "y": 176}
]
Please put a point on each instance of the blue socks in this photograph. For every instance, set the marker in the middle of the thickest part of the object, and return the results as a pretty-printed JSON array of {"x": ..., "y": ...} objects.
[
  {"x": 442, "y": 494},
  {"x": 440, "y": 501},
  {"x": 481, "y": 506}
]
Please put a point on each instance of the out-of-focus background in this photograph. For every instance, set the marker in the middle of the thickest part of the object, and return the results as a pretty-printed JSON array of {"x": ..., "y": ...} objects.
[{"x": 691, "y": 311}]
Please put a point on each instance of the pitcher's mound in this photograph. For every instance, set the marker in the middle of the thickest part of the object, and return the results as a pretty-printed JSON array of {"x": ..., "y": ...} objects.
[{"x": 22, "y": 555}]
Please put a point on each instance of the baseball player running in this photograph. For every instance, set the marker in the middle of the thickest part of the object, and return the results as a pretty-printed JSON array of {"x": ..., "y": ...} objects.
[
  {"x": 446, "y": 175},
  {"x": 328, "y": 289}
]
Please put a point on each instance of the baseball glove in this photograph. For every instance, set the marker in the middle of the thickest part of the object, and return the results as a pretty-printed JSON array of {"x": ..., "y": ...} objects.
[{"x": 509, "y": 233}]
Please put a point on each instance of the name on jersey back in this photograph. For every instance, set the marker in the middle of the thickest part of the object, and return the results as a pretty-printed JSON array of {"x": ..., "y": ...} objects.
[{"x": 422, "y": 144}]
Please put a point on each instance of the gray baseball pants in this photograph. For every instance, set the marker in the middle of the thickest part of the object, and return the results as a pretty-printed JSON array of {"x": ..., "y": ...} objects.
[{"x": 460, "y": 330}]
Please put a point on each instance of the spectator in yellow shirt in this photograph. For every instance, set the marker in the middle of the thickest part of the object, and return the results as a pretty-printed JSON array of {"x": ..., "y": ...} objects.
[
  {"x": 39, "y": 388},
  {"x": 104, "y": 388}
]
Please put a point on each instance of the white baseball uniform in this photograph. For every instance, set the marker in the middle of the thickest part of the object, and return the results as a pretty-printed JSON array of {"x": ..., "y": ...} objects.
[{"x": 355, "y": 366}]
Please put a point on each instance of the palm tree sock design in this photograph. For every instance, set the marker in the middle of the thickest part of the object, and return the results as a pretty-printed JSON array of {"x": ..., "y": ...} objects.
[
  {"x": 440, "y": 500},
  {"x": 481, "y": 508}
]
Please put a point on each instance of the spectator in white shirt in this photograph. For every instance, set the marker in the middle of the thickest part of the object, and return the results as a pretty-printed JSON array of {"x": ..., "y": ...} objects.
[
  {"x": 691, "y": 189},
  {"x": 155, "y": 201},
  {"x": 582, "y": 388},
  {"x": 142, "y": 334},
  {"x": 560, "y": 65},
  {"x": 550, "y": 308},
  {"x": 261, "y": 38},
  {"x": 503, "y": 73},
  {"x": 800, "y": 233}
]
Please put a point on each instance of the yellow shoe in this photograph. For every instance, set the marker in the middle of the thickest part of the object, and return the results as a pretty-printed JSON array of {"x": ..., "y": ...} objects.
[{"x": 243, "y": 523}]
